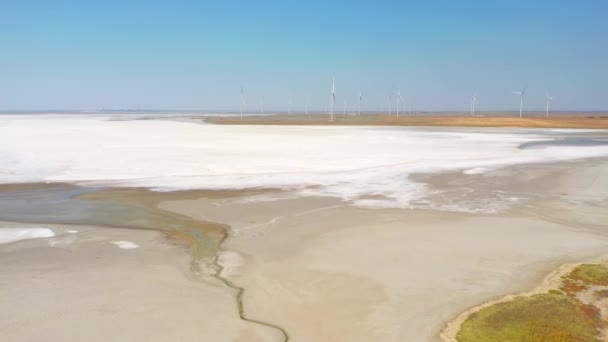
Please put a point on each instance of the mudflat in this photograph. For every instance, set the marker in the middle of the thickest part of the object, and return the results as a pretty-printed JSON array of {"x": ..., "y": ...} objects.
[{"x": 327, "y": 271}]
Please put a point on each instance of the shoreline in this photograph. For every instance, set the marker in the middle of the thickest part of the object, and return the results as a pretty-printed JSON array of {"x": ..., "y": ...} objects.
[
  {"x": 551, "y": 281},
  {"x": 554, "y": 281}
]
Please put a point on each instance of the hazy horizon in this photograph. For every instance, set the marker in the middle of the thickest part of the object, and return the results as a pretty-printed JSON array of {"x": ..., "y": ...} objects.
[
  {"x": 285, "y": 111},
  {"x": 70, "y": 55}
]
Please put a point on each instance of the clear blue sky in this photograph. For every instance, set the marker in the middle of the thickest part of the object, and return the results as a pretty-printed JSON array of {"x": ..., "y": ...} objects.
[{"x": 197, "y": 54}]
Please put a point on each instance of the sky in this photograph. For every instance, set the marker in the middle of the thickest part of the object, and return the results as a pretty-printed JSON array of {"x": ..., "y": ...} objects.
[{"x": 195, "y": 55}]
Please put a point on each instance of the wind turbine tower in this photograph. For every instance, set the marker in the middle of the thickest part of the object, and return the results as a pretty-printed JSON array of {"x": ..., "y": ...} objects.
[
  {"x": 360, "y": 100},
  {"x": 262, "y": 104},
  {"x": 548, "y": 98},
  {"x": 242, "y": 101},
  {"x": 333, "y": 98},
  {"x": 521, "y": 100},
  {"x": 473, "y": 103},
  {"x": 399, "y": 98}
]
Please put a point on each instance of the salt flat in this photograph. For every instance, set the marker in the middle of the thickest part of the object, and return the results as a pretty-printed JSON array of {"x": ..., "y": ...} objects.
[
  {"x": 334, "y": 232},
  {"x": 368, "y": 165}
]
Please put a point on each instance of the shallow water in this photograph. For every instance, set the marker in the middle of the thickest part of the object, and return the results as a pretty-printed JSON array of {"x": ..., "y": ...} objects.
[
  {"x": 57, "y": 204},
  {"x": 68, "y": 204}
]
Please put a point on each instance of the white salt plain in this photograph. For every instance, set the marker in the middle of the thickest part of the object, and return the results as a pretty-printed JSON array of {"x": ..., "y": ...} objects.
[
  {"x": 9, "y": 235},
  {"x": 351, "y": 163}
]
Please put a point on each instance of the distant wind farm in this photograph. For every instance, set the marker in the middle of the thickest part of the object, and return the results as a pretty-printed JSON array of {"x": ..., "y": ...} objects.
[{"x": 398, "y": 102}]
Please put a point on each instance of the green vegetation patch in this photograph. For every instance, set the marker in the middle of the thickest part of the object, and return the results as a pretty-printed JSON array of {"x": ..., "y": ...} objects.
[
  {"x": 590, "y": 274},
  {"x": 548, "y": 317}
]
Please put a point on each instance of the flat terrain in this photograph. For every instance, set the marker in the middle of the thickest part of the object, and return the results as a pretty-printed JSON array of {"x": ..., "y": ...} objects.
[
  {"x": 327, "y": 271},
  {"x": 389, "y": 235},
  {"x": 586, "y": 120}
]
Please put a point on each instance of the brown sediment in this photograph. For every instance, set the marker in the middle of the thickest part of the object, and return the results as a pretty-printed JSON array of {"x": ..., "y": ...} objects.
[
  {"x": 584, "y": 120},
  {"x": 240, "y": 291},
  {"x": 138, "y": 208},
  {"x": 204, "y": 239}
]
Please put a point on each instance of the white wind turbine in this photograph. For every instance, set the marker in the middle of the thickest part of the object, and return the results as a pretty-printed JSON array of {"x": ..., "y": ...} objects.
[
  {"x": 360, "y": 100},
  {"x": 399, "y": 98},
  {"x": 521, "y": 100},
  {"x": 548, "y": 98},
  {"x": 242, "y": 101},
  {"x": 473, "y": 103},
  {"x": 333, "y": 98},
  {"x": 262, "y": 104}
]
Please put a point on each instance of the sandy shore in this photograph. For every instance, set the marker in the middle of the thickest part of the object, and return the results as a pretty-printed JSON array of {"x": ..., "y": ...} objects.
[
  {"x": 326, "y": 271},
  {"x": 589, "y": 121},
  {"x": 553, "y": 281}
]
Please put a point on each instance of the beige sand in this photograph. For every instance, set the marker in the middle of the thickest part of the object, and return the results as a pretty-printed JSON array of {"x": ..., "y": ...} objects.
[
  {"x": 80, "y": 287},
  {"x": 326, "y": 271}
]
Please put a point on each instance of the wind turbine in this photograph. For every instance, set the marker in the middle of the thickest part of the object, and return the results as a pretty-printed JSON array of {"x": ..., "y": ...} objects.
[
  {"x": 262, "y": 104},
  {"x": 333, "y": 98},
  {"x": 242, "y": 101},
  {"x": 521, "y": 100},
  {"x": 360, "y": 100},
  {"x": 548, "y": 98},
  {"x": 473, "y": 103},
  {"x": 399, "y": 98}
]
